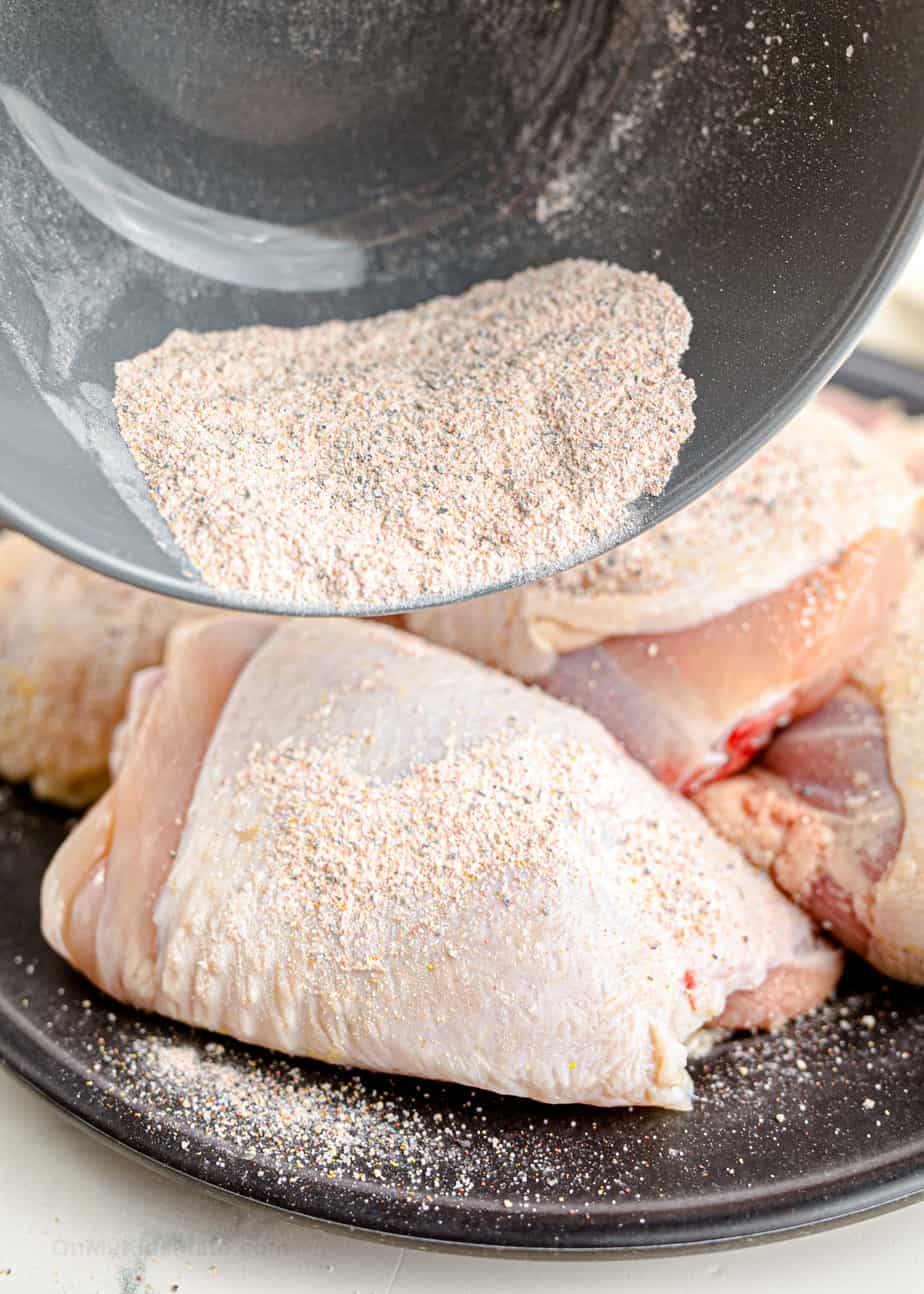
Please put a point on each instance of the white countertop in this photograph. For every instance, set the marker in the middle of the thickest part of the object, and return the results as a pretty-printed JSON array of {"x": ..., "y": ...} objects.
[{"x": 77, "y": 1217}]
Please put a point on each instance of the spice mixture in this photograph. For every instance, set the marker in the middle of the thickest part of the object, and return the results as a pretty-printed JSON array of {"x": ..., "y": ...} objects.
[
  {"x": 807, "y": 495},
  {"x": 469, "y": 442}
]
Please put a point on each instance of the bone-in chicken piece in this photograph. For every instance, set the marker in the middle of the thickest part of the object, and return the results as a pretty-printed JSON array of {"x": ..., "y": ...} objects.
[
  {"x": 696, "y": 641},
  {"x": 70, "y": 641},
  {"x": 330, "y": 838},
  {"x": 835, "y": 810}
]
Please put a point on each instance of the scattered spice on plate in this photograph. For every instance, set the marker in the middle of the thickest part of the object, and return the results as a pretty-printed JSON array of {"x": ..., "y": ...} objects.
[{"x": 290, "y": 1129}]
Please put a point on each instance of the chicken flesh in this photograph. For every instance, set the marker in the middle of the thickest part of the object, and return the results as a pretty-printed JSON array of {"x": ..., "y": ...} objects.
[
  {"x": 333, "y": 839},
  {"x": 70, "y": 641},
  {"x": 835, "y": 810}
]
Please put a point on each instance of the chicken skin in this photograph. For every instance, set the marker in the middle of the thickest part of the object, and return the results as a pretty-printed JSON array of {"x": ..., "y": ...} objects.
[{"x": 333, "y": 839}]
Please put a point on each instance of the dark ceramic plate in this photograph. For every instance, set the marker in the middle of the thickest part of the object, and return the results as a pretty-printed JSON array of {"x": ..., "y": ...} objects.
[{"x": 820, "y": 1125}]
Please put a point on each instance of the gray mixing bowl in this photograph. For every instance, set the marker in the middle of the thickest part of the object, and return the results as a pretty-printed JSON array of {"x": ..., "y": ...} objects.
[{"x": 212, "y": 163}]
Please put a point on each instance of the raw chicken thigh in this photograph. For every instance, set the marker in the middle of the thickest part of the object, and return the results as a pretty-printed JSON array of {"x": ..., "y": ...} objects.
[
  {"x": 330, "y": 838},
  {"x": 70, "y": 641},
  {"x": 694, "y": 642},
  {"x": 835, "y": 810}
]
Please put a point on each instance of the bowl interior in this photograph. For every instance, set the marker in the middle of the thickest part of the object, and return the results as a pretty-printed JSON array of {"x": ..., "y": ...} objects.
[{"x": 170, "y": 165}]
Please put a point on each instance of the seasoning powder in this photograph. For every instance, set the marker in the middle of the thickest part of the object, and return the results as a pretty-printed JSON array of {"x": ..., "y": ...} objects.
[{"x": 428, "y": 453}]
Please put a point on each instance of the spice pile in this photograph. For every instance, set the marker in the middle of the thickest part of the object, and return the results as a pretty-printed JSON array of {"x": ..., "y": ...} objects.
[{"x": 470, "y": 442}]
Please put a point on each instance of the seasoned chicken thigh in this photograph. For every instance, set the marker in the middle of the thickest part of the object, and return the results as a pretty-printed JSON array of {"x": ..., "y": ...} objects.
[
  {"x": 835, "y": 810},
  {"x": 70, "y": 641},
  {"x": 694, "y": 642},
  {"x": 330, "y": 838}
]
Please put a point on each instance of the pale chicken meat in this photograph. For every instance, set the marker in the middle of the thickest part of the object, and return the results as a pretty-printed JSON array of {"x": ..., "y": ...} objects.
[
  {"x": 70, "y": 641},
  {"x": 895, "y": 431},
  {"x": 696, "y": 641},
  {"x": 835, "y": 810},
  {"x": 332, "y": 839}
]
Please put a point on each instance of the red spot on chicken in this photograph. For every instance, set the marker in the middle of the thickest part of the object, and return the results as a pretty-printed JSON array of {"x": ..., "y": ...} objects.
[{"x": 752, "y": 735}]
